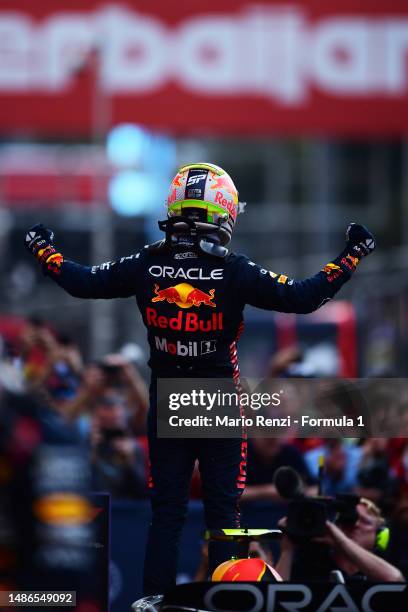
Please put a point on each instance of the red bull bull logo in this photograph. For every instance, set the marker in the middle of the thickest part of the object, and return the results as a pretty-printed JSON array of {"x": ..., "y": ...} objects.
[
  {"x": 350, "y": 262},
  {"x": 333, "y": 271},
  {"x": 184, "y": 295},
  {"x": 354, "y": 260},
  {"x": 225, "y": 182},
  {"x": 328, "y": 268}
]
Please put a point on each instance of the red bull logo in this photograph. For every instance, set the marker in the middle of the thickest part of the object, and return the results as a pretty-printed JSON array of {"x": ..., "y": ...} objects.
[
  {"x": 328, "y": 268},
  {"x": 354, "y": 260},
  {"x": 227, "y": 204},
  {"x": 184, "y": 321},
  {"x": 225, "y": 182},
  {"x": 184, "y": 295},
  {"x": 177, "y": 181},
  {"x": 350, "y": 262},
  {"x": 63, "y": 509},
  {"x": 333, "y": 271}
]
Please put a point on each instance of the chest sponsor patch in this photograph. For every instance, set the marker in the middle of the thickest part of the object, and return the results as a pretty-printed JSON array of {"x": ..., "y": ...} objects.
[
  {"x": 184, "y": 295},
  {"x": 184, "y": 321},
  {"x": 188, "y": 274},
  {"x": 186, "y": 255},
  {"x": 191, "y": 348}
]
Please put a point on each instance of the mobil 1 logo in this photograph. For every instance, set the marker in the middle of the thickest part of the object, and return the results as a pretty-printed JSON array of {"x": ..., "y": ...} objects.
[
  {"x": 191, "y": 348},
  {"x": 208, "y": 346}
]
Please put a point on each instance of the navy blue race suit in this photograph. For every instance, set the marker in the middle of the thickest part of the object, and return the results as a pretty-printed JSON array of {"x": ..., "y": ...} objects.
[{"x": 192, "y": 306}]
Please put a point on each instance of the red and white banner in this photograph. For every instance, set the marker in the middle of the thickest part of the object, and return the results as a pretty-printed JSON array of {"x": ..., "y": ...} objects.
[{"x": 227, "y": 66}]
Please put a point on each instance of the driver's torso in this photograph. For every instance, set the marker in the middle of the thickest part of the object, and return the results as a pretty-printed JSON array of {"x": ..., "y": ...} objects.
[{"x": 191, "y": 311}]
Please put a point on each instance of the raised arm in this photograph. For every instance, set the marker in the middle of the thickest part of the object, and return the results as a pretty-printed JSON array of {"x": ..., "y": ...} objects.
[
  {"x": 109, "y": 280},
  {"x": 271, "y": 291},
  {"x": 369, "y": 564}
]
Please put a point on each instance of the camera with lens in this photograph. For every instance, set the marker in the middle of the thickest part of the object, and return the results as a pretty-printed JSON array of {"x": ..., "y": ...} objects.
[{"x": 307, "y": 516}]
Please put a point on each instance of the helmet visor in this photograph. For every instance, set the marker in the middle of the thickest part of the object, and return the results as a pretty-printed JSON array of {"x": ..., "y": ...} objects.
[{"x": 215, "y": 213}]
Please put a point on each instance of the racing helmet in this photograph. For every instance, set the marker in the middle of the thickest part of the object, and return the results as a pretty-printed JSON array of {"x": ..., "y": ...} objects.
[
  {"x": 205, "y": 194},
  {"x": 245, "y": 570}
]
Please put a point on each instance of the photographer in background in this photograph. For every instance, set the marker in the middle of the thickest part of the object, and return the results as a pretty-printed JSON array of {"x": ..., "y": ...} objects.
[
  {"x": 352, "y": 549},
  {"x": 110, "y": 410},
  {"x": 118, "y": 456},
  {"x": 51, "y": 362},
  {"x": 341, "y": 463},
  {"x": 121, "y": 374},
  {"x": 113, "y": 373},
  {"x": 265, "y": 457}
]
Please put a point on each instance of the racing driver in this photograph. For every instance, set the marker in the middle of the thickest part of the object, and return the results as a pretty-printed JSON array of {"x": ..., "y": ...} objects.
[{"x": 191, "y": 293}]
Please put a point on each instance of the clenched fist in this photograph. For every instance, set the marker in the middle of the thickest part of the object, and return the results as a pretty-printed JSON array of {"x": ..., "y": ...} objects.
[
  {"x": 39, "y": 242},
  {"x": 360, "y": 240}
]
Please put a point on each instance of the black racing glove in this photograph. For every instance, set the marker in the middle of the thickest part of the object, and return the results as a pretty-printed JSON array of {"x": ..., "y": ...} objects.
[
  {"x": 360, "y": 242},
  {"x": 39, "y": 242}
]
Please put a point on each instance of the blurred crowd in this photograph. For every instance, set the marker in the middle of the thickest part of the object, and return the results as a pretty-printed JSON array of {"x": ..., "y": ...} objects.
[{"x": 105, "y": 403}]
